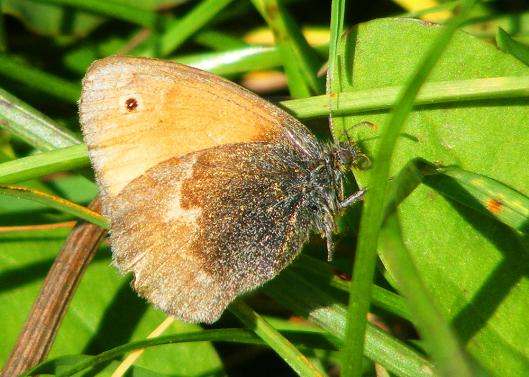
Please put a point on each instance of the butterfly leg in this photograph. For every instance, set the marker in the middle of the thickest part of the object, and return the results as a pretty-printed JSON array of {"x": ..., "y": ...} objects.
[
  {"x": 330, "y": 247},
  {"x": 356, "y": 197}
]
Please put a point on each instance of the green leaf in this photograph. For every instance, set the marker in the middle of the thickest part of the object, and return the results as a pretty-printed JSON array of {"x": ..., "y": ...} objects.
[
  {"x": 511, "y": 46},
  {"x": 39, "y": 80},
  {"x": 179, "y": 31},
  {"x": 473, "y": 266},
  {"x": 31, "y": 125},
  {"x": 373, "y": 213},
  {"x": 485, "y": 195}
]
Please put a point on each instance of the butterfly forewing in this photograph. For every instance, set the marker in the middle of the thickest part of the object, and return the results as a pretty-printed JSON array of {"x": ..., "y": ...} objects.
[{"x": 137, "y": 112}]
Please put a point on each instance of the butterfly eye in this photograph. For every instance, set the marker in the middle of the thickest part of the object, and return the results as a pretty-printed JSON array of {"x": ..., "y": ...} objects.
[{"x": 131, "y": 104}]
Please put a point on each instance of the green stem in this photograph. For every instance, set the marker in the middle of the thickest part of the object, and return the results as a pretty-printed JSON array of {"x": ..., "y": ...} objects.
[
  {"x": 431, "y": 93},
  {"x": 56, "y": 202}
]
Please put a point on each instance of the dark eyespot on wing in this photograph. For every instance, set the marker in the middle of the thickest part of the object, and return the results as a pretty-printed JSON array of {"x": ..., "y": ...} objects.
[{"x": 131, "y": 104}]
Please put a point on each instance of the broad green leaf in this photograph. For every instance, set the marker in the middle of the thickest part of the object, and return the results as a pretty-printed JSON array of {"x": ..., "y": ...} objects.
[
  {"x": 475, "y": 268},
  {"x": 25, "y": 257}
]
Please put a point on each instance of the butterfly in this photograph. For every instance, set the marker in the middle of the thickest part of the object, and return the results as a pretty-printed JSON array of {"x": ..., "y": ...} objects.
[{"x": 210, "y": 190}]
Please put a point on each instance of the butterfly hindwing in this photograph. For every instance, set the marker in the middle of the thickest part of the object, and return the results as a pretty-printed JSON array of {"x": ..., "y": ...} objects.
[{"x": 199, "y": 230}]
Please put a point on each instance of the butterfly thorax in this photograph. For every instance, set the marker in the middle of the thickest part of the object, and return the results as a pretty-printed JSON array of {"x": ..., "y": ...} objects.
[{"x": 326, "y": 186}]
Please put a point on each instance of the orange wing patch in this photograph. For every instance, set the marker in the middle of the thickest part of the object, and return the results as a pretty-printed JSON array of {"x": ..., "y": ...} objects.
[{"x": 137, "y": 112}]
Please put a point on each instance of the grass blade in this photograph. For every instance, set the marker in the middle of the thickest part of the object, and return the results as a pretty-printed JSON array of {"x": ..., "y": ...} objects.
[
  {"x": 31, "y": 125},
  {"x": 127, "y": 12},
  {"x": 55, "y": 202},
  {"x": 39, "y": 80},
  {"x": 224, "y": 335},
  {"x": 383, "y": 99},
  {"x": 299, "y": 60},
  {"x": 181, "y": 30},
  {"x": 46, "y": 163},
  {"x": 440, "y": 340},
  {"x": 321, "y": 273},
  {"x": 335, "y": 79},
  {"x": 365, "y": 259},
  {"x": 484, "y": 195},
  {"x": 511, "y": 46},
  {"x": 321, "y": 308},
  {"x": 288, "y": 352}
]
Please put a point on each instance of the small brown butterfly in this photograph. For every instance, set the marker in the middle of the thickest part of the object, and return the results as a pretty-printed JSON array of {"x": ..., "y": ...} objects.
[{"x": 210, "y": 190}]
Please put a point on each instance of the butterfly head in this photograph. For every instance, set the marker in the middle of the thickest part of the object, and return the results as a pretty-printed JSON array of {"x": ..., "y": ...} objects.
[{"x": 346, "y": 155}]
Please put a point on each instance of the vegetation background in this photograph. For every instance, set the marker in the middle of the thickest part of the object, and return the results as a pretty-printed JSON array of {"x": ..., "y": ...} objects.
[{"x": 450, "y": 294}]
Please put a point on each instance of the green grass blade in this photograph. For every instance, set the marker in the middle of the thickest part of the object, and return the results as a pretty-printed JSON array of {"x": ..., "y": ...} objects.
[
  {"x": 365, "y": 258},
  {"x": 322, "y": 273},
  {"x": 218, "y": 41},
  {"x": 290, "y": 288},
  {"x": 46, "y": 163},
  {"x": 55, "y": 202},
  {"x": 511, "y": 46},
  {"x": 336, "y": 29},
  {"x": 223, "y": 335},
  {"x": 236, "y": 61},
  {"x": 484, "y": 195},
  {"x": 31, "y": 125},
  {"x": 39, "y": 80},
  {"x": 3, "y": 39},
  {"x": 441, "y": 342},
  {"x": 79, "y": 363},
  {"x": 334, "y": 82},
  {"x": 284, "y": 348},
  {"x": 299, "y": 60},
  {"x": 432, "y": 93},
  {"x": 113, "y": 10},
  {"x": 179, "y": 31}
]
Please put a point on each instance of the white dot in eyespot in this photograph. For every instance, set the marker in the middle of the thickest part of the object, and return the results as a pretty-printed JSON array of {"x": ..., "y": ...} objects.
[{"x": 130, "y": 103}]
